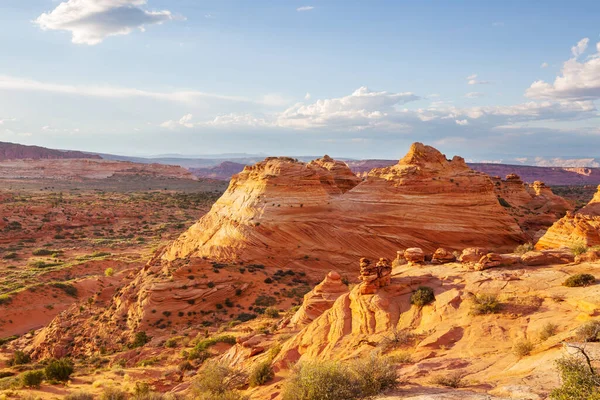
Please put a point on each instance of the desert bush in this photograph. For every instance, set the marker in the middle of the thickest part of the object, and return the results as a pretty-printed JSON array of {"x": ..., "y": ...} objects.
[
  {"x": 261, "y": 374},
  {"x": 19, "y": 358},
  {"x": 206, "y": 343},
  {"x": 46, "y": 252},
  {"x": 452, "y": 379},
  {"x": 218, "y": 382},
  {"x": 578, "y": 248},
  {"x": 272, "y": 312},
  {"x": 109, "y": 272},
  {"x": 32, "y": 378},
  {"x": 79, "y": 396},
  {"x": 59, "y": 370},
  {"x": 588, "y": 332},
  {"x": 171, "y": 342},
  {"x": 422, "y": 296},
  {"x": 113, "y": 393},
  {"x": 375, "y": 374},
  {"x": 140, "y": 339},
  {"x": 522, "y": 348},
  {"x": 321, "y": 380},
  {"x": 579, "y": 280},
  {"x": 523, "y": 248},
  {"x": 548, "y": 331},
  {"x": 579, "y": 382},
  {"x": 503, "y": 202},
  {"x": 485, "y": 303},
  {"x": 398, "y": 338},
  {"x": 65, "y": 287}
]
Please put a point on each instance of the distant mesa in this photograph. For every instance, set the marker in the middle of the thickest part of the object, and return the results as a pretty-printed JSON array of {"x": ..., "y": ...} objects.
[{"x": 13, "y": 151}]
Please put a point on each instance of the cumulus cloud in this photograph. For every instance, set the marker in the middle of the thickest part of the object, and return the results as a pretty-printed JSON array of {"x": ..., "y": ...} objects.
[
  {"x": 92, "y": 21},
  {"x": 305, "y": 8},
  {"x": 578, "y": 80},
  {"x": 307, "y": 96},
  {"x": 185, "y": 121},
  {"x": 461, "y": 122},
  {"x": 544, "y": 65},
  {"x": 580, "y": 47}
]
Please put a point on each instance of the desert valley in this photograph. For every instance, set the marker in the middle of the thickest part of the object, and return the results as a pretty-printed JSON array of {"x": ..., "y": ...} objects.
[{"x": 432, "y": 279}]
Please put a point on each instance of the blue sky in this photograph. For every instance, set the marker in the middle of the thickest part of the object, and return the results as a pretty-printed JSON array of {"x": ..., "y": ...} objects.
[{"x": 489, "y": 80}]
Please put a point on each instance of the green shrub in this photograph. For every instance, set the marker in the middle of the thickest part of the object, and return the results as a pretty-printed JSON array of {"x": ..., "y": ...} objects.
[
  {"x": 272, "y": 312},
  {"x": 79, "y": 396},
  {"x": 218, "y": 382},
  {"x": 261, "y": 374},
  {"x": 522, "y": 348},
  {"x": 206, "y": 343},
  {"x": 375, "y": 374},
  {"x": 452, "y": 379},
  {"x": 322, "y": 380},
  {"x": 59, "y": 370},
  {"x": 171, "y": 342},
  {"x": 578, "y": 248},
  {"x": 46, "y": 252},
  {"x": 579, "y": 280},
  {"x": 5, "y": 299},
  {"x": 32, "y": 378},
  {"x": 19, "y": 358},
  {"x": 485, "y": 303},
  {"x": 548, "y": 331},
  {"x": 65, "y": 287},
  {"x": 588, "y": 332},
  {"x": 113, "y": 393},
  {"x": 109, "y": 272},
  {"x": 422, "y": 296},
  {"x": 140, "y": 339},
  {"x": 504, "y": 203},
  {"x": 578, "y": 381},
  {"x": 524, "y": 248}
]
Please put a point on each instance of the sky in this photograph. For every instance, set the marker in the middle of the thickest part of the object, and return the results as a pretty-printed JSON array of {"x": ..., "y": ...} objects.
[{"x": 488, "y": 80}]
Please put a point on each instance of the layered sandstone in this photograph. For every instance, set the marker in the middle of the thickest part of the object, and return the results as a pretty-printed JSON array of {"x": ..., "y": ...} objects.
[
  {"x": 581, "y": 228},
  {"x": 289, "y": 211}
]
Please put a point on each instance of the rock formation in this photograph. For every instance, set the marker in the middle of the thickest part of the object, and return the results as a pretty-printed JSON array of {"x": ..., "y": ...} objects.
[
  {"x": 414, "y": 255},
  {"x": 375, "y": 276},
  {"x": 293, "y": 211},
  {"x": 319, "y": 299},
  {"x": 14, "y": 151},
  {"x": 581, "y": 228},
  {"x": 534, "y": 206},
  {"x": 442, "y": 256}
]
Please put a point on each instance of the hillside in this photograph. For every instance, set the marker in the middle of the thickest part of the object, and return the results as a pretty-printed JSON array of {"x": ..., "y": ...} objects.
[{"x": 14, "y": 151}]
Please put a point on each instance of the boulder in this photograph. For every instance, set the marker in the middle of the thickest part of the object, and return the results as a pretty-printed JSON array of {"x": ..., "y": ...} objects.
[
  {"x": 414, "y": 255},
  {"x": 472, "y": 254},
  {"x": 442, "y": 256}
]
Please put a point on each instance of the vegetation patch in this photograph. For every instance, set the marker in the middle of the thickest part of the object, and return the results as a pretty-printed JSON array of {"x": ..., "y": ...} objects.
[{"x": 579, "y": 280}]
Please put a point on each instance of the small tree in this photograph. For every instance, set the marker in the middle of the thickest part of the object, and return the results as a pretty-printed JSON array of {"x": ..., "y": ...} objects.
[
  {"x": 261, "y": 374},
  {"x": 422, "y": 296},
  {"x": 59, "y": 370}
]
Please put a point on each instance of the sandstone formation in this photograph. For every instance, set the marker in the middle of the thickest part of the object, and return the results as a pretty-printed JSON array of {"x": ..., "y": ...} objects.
[
  {"x": 534, "y": 206},
  {"x": 442, "y": 256},
  {"x": 375, "y": 276},
  {"x": 319, "y": 299},
  {"x": 223, "y": 171},
  {"x": 581, "y": 228},
  {"x": 414, "y": 255},
  {"x": 472, "y": 254},
  {"x": 292, "y": 211}
]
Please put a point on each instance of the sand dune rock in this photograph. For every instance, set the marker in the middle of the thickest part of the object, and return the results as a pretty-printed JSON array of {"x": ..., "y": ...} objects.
[
  {"x": 319, "y": 299},
  {"x": 545, "y": 257},
  {"x": 288, "y": 210},
  {"x": 582, "y": 228}
]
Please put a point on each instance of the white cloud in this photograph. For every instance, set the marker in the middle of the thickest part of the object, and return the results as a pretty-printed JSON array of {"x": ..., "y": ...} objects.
[
  {"x": 184, "y": 96},
  {"x": 544, "y": 65},
  {"x": 307, "y": 96},
  {"x": 461, "y": 122},
  {"x": 580, "y": 47},
  {"x": 185, "y": 121},
  {"x": 305, "y": 8},
  {"x": 92, "y": 21},
  {"x": 578, "y": 81},
  {"x": 472, "y": 80},
  {"x": 474, "y": 95}
]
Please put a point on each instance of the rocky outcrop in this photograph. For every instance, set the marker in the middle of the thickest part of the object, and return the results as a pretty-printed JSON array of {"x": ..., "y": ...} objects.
[
  {"x": 414, "y": 255},
  {"x": 472, "y": 254},
  {"x": 535, "y": 207},
  {"x": 293, "y": 210},
  {"x": 375, "y": 276},
  {"x": 319, "y": 299},
  {"x": 223, "y": 171},
  {"x": 442, "y": 256},
  {"x": 581, "y": 228}
]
